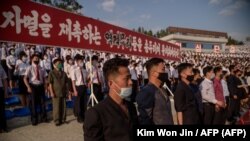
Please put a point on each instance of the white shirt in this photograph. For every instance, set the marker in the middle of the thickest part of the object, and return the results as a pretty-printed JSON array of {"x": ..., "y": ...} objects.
[
  {"x": 225, "y": 88},
  {"x": 21, "y": 67},
  {"x": 207, "y": 91},
  {"x": 97, "y": 72},
  {"x": 31, "y": 74},
  {"x": 68, "y": 69},
  {"x": 175, "y": 73},
  {"x": 248, "y": 80},
  {"x": 2, "y": 75},
  {"x": 145, "y": 74},
  {"x": 133, "y": 73},
  {"x": 77, "y": 76},
  {"x": 46, "y": 64},
  {"x": 11, "y": 61},
  {"x": 66, "y": 53}
]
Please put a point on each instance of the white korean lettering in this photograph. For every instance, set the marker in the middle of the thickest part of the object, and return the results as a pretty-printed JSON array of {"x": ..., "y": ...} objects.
[{"x": 46, "y": 26}]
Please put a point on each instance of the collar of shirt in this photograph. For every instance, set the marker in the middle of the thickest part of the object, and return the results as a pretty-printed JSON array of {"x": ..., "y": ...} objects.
[
  {"x": 208, "y": 80},
  {"x": 34, "y": 65}
]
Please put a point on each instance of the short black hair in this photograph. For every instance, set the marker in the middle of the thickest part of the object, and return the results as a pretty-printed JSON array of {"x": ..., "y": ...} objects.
[
  {"x": 111, "y": 66},
  {"x": 231, "y": 67},
  {"x": 207, "y": 69},
  {"x": 183, "y": 66},
  {"x": 94, "y": 58},
  {"x": 36, "y": 54},
  {"x": 57, "y": 60},
  {"x": 196, "y": 71},
  {"x": 78, "y": 57},
  {"x": 153, "y": 62},
  {"x": 68, "y": 57},
  {"x": 217, "y": 69},
  {"x": 224, "y": 73},
  {"x": 21, "y": 54}
]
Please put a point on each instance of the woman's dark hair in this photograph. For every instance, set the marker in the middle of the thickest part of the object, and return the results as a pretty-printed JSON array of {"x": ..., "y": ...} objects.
[{"x": 21, "y": 54}]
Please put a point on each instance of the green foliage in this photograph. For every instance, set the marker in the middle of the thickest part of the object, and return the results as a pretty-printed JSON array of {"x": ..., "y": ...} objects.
[
  {"x": 232, "y": 41},
  {"x": 69, "y": 5}
]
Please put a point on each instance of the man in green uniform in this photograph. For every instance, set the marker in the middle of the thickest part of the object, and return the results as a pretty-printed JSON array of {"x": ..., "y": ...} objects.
[{"x": 58, "y": 91}]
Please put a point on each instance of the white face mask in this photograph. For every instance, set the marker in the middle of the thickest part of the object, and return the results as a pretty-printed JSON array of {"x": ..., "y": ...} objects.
[
  {"x": 80, "y": 64},
  {"x": 125, "y": 93}
]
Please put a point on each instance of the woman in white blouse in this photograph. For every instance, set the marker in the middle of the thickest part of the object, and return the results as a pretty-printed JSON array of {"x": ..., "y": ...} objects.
[
  {"x": 11, "y": 63},
  {"x": 20, "y": 69}
]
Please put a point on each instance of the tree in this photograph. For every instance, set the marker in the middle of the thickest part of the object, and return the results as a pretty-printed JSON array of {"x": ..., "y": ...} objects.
[
  {"x": 139, "y": 29},
  {"x": 69, "y": 5},
  {"x": 232, "y": 41},
  {"x": 150, "y": 33}
]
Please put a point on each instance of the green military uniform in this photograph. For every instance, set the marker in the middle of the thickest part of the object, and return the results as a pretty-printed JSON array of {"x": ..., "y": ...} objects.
[{"x": 58, "y": 80}]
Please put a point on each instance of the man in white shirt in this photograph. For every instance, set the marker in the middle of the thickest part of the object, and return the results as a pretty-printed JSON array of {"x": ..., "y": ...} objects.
[
  {"x": 174, "y": 77},
  {"x": 134, "y": 78},
  {"x": 34, "y": 79},
  {"x": 145, "y": 76},
  {"x": 79, "y": 81},
  {"x": 208, "y": 96},
  {"x": 224, "y": 86},
  {"x": 97, "y": 78}
]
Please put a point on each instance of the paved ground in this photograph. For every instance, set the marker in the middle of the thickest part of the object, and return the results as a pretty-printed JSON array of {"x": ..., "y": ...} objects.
[{"x": 22, "y": 130}]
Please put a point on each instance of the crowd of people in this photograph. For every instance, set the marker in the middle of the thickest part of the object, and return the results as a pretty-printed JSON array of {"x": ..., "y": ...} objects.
[{"x": 208, "y": 88}]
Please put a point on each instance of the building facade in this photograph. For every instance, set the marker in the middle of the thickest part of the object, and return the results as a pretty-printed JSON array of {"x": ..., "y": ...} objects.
[{"x": 195, "y": 39}]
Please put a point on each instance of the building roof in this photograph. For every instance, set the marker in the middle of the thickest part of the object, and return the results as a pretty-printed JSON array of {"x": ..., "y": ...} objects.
[{"x": 195, "y": 31}]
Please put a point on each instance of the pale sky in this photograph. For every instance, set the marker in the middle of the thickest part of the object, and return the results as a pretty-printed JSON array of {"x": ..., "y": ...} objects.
[{"x": 231, "y": 16}]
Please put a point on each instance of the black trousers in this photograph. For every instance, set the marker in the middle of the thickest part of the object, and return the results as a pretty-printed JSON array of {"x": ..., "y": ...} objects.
[
  {"x": 234, "y": 108},
  {"x": 134, "y": 90},
  {"x": 80, "y": 102},
  {"x": 37, "y": 103},
  {"x": 97, "y": 88},
  {"x": 3, "y": 124},
  {"x": 22, "y": 86},
  {"x": 220, "y": 117},
  {"x": 208, "y": 113}
]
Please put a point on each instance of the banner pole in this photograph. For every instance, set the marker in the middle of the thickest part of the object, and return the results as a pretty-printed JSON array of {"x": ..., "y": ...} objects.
[{"x": 92, "y": 97}]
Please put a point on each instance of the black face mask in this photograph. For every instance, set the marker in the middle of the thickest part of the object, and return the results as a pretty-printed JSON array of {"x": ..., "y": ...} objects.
[
  {"x": 163, "y": 77},
  {"x": 36, "y": 62},
  {"x": 190, "y": 78}
]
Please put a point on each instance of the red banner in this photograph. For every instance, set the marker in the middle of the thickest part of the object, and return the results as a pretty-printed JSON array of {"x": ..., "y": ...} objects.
[{"x": 29, "y": 22}]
